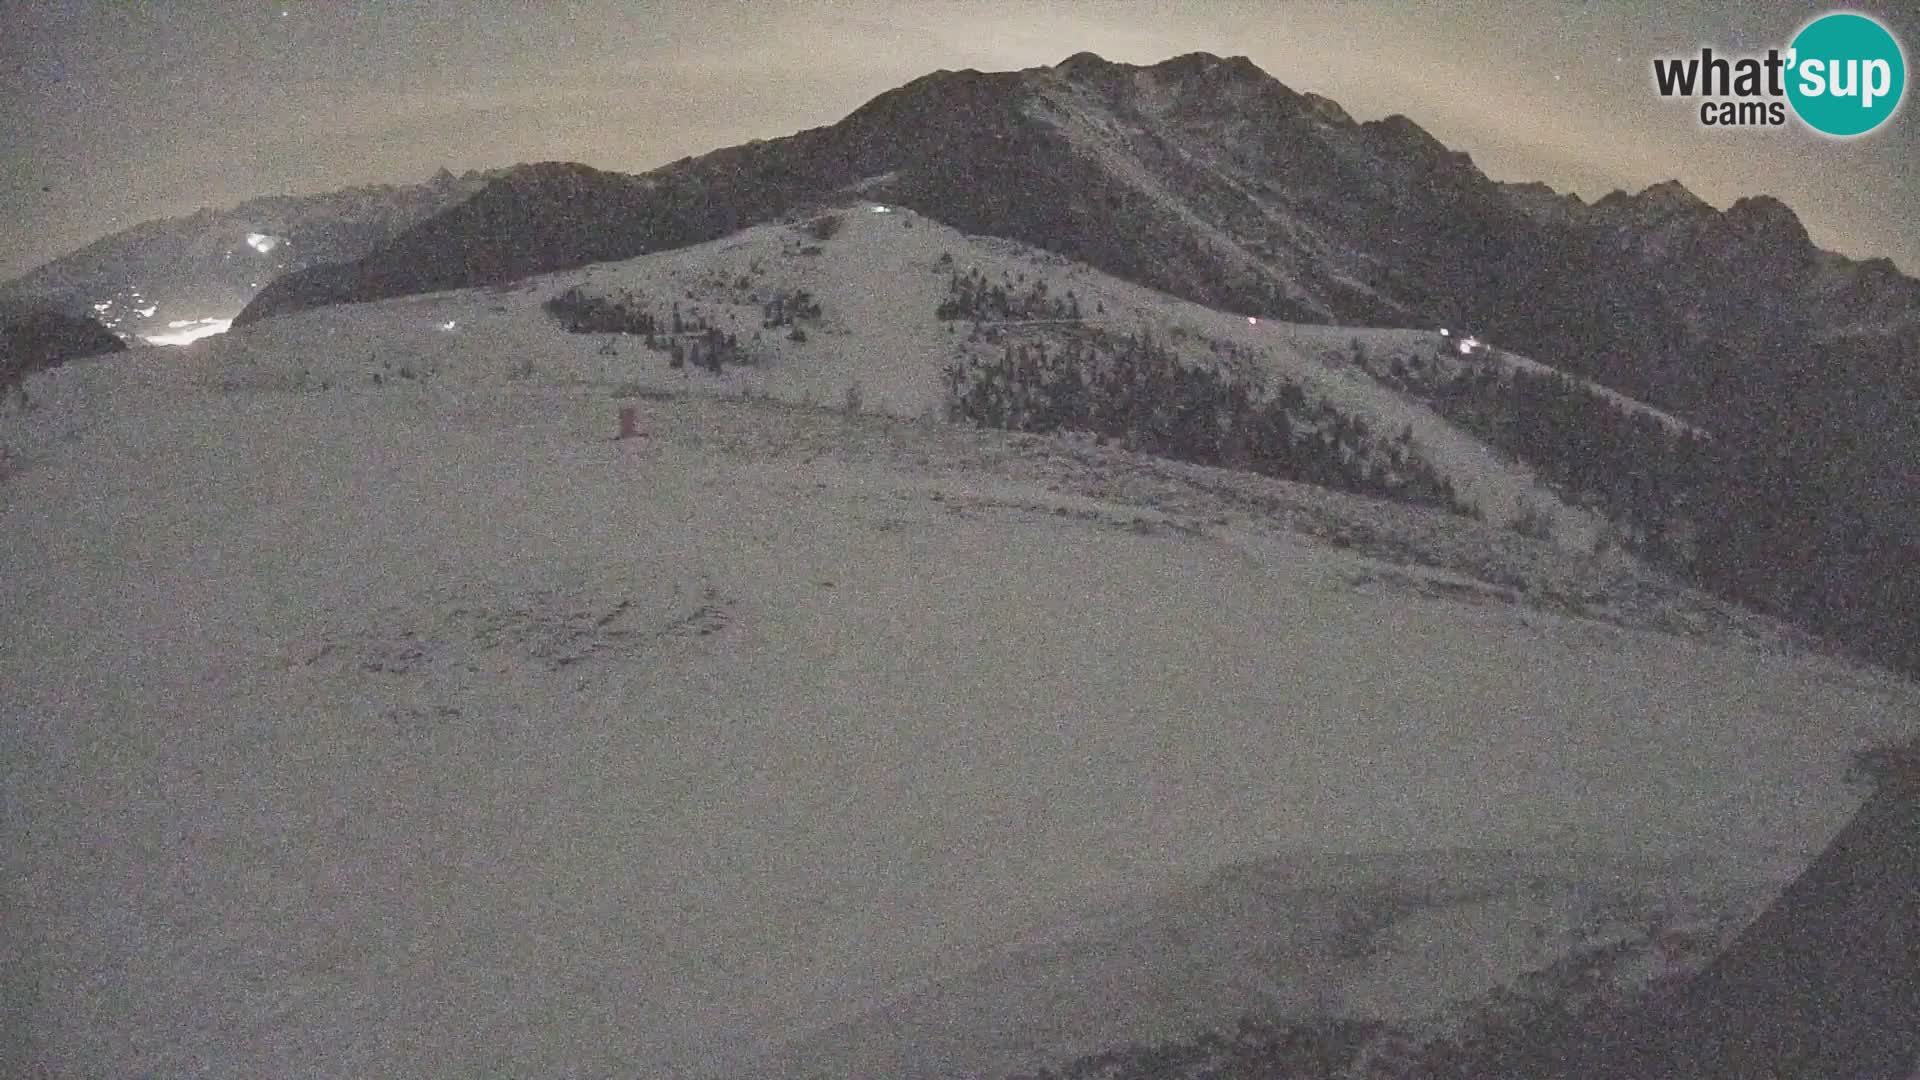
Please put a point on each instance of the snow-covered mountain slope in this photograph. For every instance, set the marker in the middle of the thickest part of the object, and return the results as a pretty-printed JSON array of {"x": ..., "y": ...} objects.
[
  {"x": 419, "y": 727},
  {"x": 1412, "y": 944},
  {"x": 1208, "y": 179},
  {"x": 879, "y": 280}
]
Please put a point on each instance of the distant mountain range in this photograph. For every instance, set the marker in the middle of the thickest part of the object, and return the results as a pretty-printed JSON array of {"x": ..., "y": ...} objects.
[
  {"x": 1205, "y": 178},
  {"x": 1210, "y": 180},
  {"x": 1202, "y": 177},
  {"x": 208, "y": 265}
]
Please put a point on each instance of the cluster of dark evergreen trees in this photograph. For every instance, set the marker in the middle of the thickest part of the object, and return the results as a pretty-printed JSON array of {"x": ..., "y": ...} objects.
[
  {"x": 705, "y": 348},
  {"x": 787, "y": 307},
  {"x": 1788, "y": 539},
  {"x": 580, "y": 313},
  {"x": 970, "y": 296},
  {"x": 1137, "y": 392},
  {"x": 1759, "y": 514},
  {"x": 1626, "y": 463},
  {"x": 686, "y": 339},
  {"x": 825, "y": 227}
]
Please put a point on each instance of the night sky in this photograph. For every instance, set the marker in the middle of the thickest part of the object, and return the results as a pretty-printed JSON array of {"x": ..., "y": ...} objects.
[{"x": 114, "y": 113}]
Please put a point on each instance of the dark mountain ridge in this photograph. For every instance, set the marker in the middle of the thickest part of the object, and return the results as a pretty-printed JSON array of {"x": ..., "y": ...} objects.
[
  {"x": 1208, "y": 179},
  {"x": 209, "y": 264},
  {"x": 34, "y": 339}
]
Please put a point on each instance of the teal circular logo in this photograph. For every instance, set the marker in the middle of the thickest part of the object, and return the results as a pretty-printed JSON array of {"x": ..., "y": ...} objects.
[{"x": 1846, "y": 74}]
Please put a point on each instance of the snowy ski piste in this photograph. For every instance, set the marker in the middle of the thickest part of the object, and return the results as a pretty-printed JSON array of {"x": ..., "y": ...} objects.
[{"x": 422, "y": 727}]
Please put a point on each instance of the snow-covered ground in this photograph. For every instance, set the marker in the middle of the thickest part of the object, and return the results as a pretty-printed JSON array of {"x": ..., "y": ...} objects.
[
  {"x": 1417, "y": 941},
  {"x": 420, "y": 728}
]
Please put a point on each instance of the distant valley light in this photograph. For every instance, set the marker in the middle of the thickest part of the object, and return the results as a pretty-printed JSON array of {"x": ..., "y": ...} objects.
[
  {"x": 189, "y": 330},
  {"x": 262, "y": 243}
]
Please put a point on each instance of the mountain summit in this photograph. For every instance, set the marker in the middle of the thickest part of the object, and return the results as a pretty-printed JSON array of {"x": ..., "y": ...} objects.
[
  {"x": 1201, "y": 176},
  {"x": 1206, "y": 178}
]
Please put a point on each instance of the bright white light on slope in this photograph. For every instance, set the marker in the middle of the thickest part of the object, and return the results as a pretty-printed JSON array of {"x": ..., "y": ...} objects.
[
  {"x": 1443, "y": 331},
  {"x": 147, "y": 312},
  {"x": 448, "y": 325},
  {"x": 878, "y": 209},
  {"x": 261, "y": 242},
  {"x": 1251, "y": 321},
  {"x": 195, "y": 330},
  {"x": 103, "y": 305}
]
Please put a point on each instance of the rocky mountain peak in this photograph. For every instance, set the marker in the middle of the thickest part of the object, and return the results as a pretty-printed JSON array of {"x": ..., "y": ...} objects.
[
  {"x": 1398, "y": 135},
  {"x": 1764, "y": 215},
  {"x": 1200, "y": 175},
  {"x": 1672, "y": 194},
  {"x": 1185, "y": 67},
  {"x": 1662, "y": 201},
  {"x": 1187, "y": 64},
  {"x": 1084, "y": 63},
  {"x": 1327, "y": 110}
]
